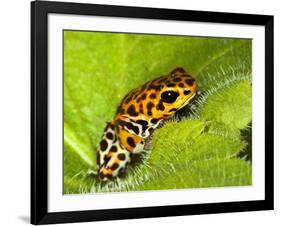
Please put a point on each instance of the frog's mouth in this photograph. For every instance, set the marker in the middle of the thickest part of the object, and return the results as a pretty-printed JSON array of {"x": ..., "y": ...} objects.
[{"x": 187, "y": 101}]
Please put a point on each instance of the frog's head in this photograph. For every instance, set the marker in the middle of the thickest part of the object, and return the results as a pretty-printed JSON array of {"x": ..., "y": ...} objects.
[{"x": 171, "y": 92}]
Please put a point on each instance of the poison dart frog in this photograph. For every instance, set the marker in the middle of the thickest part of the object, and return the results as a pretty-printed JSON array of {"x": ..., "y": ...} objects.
[{"x": 138, "y": 115}]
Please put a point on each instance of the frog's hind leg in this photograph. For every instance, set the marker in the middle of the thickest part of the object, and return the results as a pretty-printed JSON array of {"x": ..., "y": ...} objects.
[
  {"x": 116, "y": 162},
  {"x": 112, "y": 156},
  {"x": 106, "y": 144}
]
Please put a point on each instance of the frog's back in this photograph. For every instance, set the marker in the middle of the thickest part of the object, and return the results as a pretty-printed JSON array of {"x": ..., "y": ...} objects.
[{"x": 146, "y": 101}]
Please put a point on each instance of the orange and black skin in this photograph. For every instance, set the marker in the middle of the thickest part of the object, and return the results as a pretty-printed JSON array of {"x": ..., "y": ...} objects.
[{"x": 138, "y": 115}]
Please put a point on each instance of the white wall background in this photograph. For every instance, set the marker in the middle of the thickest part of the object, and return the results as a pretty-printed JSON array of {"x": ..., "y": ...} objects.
[{"x": 14, "y": 111}]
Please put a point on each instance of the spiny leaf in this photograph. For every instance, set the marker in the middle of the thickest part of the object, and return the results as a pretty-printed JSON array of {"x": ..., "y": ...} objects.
[
  {"x": 199, "y": 174},
  {"x": 179, "y": 135},
  {"x": 231, "y": 106}
]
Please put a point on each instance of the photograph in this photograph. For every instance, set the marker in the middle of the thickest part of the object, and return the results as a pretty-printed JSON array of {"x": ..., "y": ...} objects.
[
  {"x": 141, "y": 112},
  {"x": 146, "y": 112}
]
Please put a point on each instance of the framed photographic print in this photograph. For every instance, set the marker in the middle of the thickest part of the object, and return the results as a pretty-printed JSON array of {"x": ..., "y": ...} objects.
[{"x": 145, "y": 112}]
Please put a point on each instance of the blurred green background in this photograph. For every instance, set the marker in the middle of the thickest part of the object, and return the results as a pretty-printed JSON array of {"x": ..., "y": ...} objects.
[{"x": 203, "y": 150}]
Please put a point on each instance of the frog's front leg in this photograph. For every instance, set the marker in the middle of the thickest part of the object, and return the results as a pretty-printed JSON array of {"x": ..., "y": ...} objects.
[
  {"x": 139, "y": 127},
  {"x": 152, "y": 125},
  {"x": 139, "y": 147}
]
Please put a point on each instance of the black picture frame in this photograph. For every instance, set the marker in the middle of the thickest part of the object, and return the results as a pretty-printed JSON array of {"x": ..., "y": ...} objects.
[{"x": 39, "y": 112}]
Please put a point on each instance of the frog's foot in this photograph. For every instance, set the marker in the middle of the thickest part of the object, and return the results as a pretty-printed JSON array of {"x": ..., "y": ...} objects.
[{"x": 91, "y": 173}]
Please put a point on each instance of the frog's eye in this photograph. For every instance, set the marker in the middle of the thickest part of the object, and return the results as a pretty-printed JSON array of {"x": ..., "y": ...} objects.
[{"x": 169, "y": 96}]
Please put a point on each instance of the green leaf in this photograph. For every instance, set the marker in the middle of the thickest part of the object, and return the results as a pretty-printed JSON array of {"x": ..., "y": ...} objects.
[
  {"x": 100, "y": 68},
  {"x": 231, "y": 106},
  {"x": 200, "y": 174},
  {"x": 181, "y": 135}
]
